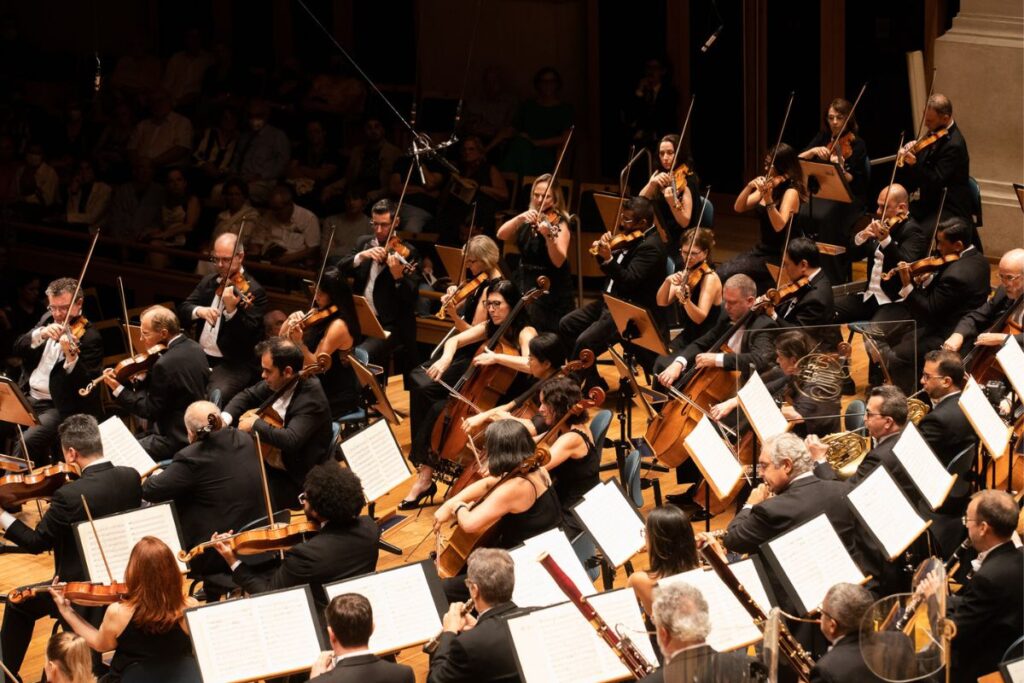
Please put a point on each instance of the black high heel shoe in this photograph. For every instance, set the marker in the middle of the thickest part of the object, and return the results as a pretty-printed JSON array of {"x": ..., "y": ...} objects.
[{"x": 413, "y": 504}]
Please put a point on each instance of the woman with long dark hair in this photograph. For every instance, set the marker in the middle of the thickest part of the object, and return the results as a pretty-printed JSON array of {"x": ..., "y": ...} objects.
[
  {"x": 676, "y": 208},
  {"x": 671, "y": 550}
]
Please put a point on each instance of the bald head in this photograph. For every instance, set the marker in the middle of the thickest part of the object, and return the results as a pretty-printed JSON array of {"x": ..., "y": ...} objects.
[
  {"x": 1011, "y": 272},
  {"x": 897, "y": 200},
  {"x": 202, "y": 417},
  {"x": 223, "y": 249}
]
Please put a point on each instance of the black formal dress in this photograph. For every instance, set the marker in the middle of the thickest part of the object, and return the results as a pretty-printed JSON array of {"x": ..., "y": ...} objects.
[
  {"x": 394, "y": 303},
  {"x": 216, "y": 487},
  {"x": 62, "y": 385},
  {"x": 943, "y": 164},
  {"x": 136, "y": 646},
  {"x": 757, "y": 350},
  {"x": 304, "y": 440},
  {"x": 693, "y": 330},
  {"x": 230, "y": 345},
  {"x": 981, "y": 319},
  {"x": 843, "y": 664},
  {"x": 988, "y": 613},
  {"x": 108, "y": 490},
  {"x": 339, "y": 381},
  {"x": 338, "y": 551},
  {"x": 574, "y": 477},
  {"x": 175, "y": 381},
  {"x": 367, "y": 668},
  {"x": 483, "y": 653},
  {"x": 535, "y": 261}
]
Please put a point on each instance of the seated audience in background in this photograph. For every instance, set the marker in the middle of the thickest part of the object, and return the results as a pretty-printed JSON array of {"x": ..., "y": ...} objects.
[
  {"x": 183, "y": 76},
  {"x": 238, "y": 212},
  {"x": 165, "y": 138},
  {"x": 350, "y": 624},
  {"x": 111, "y": 149},
  {"x": 539, "y": 127},
  {"x": 136, "y": 205},
  {"x": 349, "y": 225},
  {"x": 178, "y": 217},
  {"x": 286, "y": 234},
  {"x": 490, "y": 109},
  {"x": 314, "y": 164},
  {"x": 370, "y": 164},
  {"x": 263, "y": 153},
  {"x": 215, "y": 152},
  {"x": 35, "y": 184},
  {"x": 88, "y": 198}
]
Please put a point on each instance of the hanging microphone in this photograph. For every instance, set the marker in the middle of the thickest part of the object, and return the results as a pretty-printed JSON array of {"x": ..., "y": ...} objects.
[
  {"x": 97, "y": 81},
  {"x": 710, "y": 41}
]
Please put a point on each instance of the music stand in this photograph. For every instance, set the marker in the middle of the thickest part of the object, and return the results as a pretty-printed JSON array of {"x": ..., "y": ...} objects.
[
  {"x": 14, "y": 407},
  {"x": 608, "y": 208},
  {"x": 451, "y": 259},
  {"x": 133, "y": 335},
  {"x": 368, "y": 322},
  {"x": 1018, "y": 189},
  {"x": 372, "y": 395}
]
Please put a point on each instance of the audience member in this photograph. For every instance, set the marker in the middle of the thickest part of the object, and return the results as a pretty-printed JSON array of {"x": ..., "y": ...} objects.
[
  {"x": 111, "y": 150},
  {"x": 314, "y": 164},
  {"x": 215, "y": 153},
  {"x": 183, "y": 77},
  {"x": 263, "y": 153},
  {"x": 165, "y": 138},
  {"x": 36, "y": 182},
  {"x": 72, "y": 141},
  {"x": 88, "y": 198},
  {"x": 489, "y": 111},
  {"x": 136, "y": 205},
  {"x": 539, "y": 128},
  {"x": 370, "y": 164},
  {"x": 422, "y": 191},
  {"x": 272, "y": 321},
  {"x": 348, "y": 226},
  {"x": 138, "y": 71},
  {"x": 286, "y": 233},
  {"x": 178, "y": 217},
  {"x": 237, "y": 212}
]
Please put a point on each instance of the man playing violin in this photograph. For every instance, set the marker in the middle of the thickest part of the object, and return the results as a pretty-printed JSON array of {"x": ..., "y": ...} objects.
[
  {"x": 108, "y": 489},
  {"x": 346, "y": 545},
  {"x": 975, "y": 324},
  {"x": 635, "y": 272},
  {"x": 886, "y": 241},
  {"x": 812, "y": 305},
  {"x": 57, "y": 364},
  {"x": 227, "y": 308},
  {"x": 390, "y": 287}
]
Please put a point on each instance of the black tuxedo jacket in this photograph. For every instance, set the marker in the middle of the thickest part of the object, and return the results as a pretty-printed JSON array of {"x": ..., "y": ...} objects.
[
  {"x": 368, "y": 668},
  {"x": 907, "y": 242},
  {"x": 957, "y": 288},
  {"x": 64, "y": 385},
  {"x": 845, "y": 664},
  {"x": 639, "y": 276},
  {"x": 948, "y": 432},
  {"x": 237, "y": 337},
  {"x": 812, "y": 305},
  {"x": 755, "y": 349},
  {"x": 881, "y": 455},
  {"x": 176, "y": 380},
  {"x": 989, "y": 613},
  {"x": 305, "y": 439},
  {"x": 703, "y": 664},
  {"x": 107, "y": 489},
  {"x": 943, "y": 164},
  {"x": 336, "y": 552},
  {"x": 981, "y": 319},
  {"x": 215, "y": 485},
  {"x": 483, "y": 653}
]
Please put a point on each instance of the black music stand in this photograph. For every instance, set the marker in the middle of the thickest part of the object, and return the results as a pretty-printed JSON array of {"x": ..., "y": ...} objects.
[
  {"x": 372, "y": 396},
  {"x": 14, "y": 407},
  {"x": 827, "y": 180}
]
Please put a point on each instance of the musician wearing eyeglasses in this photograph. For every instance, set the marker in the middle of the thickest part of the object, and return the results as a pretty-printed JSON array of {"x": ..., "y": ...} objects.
[
  {"x": 842, "y": 611},
  {"x": 57, "y": 363},
  {"x": 229, "y": 324},
  {"x": 1005, "y": 303}
]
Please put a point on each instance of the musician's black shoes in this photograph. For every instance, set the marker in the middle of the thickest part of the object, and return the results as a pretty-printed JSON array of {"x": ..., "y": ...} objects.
[{"x": 413, "y": 504}]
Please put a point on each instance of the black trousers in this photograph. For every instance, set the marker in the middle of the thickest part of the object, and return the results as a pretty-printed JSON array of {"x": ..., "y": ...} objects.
[
  {"x": 427, "y": 400},
  {"x": 851, "y": 308},
  {"x": 590, "y": 327},
  {"x": 40, "y": 439},
  {"x": 228, "y": 376}
]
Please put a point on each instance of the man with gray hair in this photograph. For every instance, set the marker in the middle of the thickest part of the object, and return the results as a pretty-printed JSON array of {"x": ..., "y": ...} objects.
[
  {"x": 479, "y": 648},
  {"x": 842, "y": 610}
]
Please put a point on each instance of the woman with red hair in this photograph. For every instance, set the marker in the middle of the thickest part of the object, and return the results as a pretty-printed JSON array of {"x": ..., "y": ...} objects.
[{"x": 150, "y": 622}]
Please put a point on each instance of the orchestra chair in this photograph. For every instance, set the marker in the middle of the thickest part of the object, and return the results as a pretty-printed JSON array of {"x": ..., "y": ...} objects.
[
  {"x": 164, "y": 669},
  {"x": 216, "y": 397},
  {"x": 708, "y": 219},
  {"x": 357, "y": 419},
  {"x": 599, "y": 428},
  {"x": 586, "y": 551}
]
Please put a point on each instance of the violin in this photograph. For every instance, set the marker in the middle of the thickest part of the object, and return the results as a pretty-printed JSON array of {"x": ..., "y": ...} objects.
[
  {"x": 85, "y": 593},
  {"x": 277, "y": 536},
  {"x": 315, "y": 315},
  {"x": 241, "y": 287},
  {"x": 691, "y": 277},
  {"x": 921, "y": 144},
  {"x": 679, "y": 177},
  {"x": 894, "y": 220},
  {"x": 844, "y": 144},
  {"x": 773, "y": 297},
  {"x": 923, "y": 266},
  {"x": 129, "y": 369},
  {"x": 550, "y": 219},
  {"x": 619, "y": 241},
  {"x": 73, "y": 332},
  {"x": 41, "y": 482},
  {"x": 463, "y": 292}
]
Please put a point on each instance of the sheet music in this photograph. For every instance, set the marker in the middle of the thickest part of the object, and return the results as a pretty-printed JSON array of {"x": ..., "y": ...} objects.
[
  {"x": 1011, "y": 358},
  {"x": 122, "y": 448},
  {"x": 119, "y": 533},
  {"x": 404, "y": 612},
  {"x": 257, "y": 637},
  {"x": 983, "y": 417},
  {"x": 762, "y": 412},
  {"x": 885, "y": 510},
  {"x": 716, "y": 461},
  {"x": 557, "y": 645},
  {"x": 814, "y": 559},
  {"x": 534, "y": 587},
  {"x": 374, "y": 455},
  {"x": 612, "y": 521},
  {"x": 732, "y": 627},
  {"x": 924, "y": 469}
]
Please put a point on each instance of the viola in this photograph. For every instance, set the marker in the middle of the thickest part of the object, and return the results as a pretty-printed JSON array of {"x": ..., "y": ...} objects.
[
  {"x": 260, "y": 540},
  {"x": 922, "y": 144},
  {"x": 620, "y": 241},
  {"x": 923, "y": 266},
  {"x": 86, "y": 593},
  {"x": 241, "y": 287},
  {"x": 129, "y": 369},
  {"x": 41, "y": 482},
  {"x": 463, "y": 292}
]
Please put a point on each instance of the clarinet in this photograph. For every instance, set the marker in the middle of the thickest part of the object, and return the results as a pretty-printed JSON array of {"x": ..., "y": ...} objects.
[
  {"x": 432, "y": 644},
  {"x": 958, "y": 554},
  {"x": 620, "y": 643},
  {"x": 794, "y": 653}
]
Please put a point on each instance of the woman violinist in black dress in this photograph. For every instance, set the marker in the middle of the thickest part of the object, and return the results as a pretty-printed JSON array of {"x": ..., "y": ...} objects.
[
  {"x": 674, "y": 207},
  {"x": 700, "y": 304}
]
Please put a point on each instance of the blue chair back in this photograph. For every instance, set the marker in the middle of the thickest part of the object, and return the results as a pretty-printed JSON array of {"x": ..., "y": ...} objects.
[
  {"x": 708, "y": 219},
  {"x": 361, "y": 355},
  {"x": 670, "y": 267},
  {"x": 853, "y": 416},
  {"x": 215, "y": 397},
  {"x": 163, "y": 669},
  {"x": 585, "y": 550},
  {"x": 599, "y": 427},
  {"x": 632, "y": 483}
]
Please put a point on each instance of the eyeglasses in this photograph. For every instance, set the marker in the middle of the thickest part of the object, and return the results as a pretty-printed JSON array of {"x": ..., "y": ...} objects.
[
  {"x": 925, "y": 376},
  {"x": 381, "y": 224},
  {"x": 761, "y": 467},
  {"x": 966, "y": 519},
  {"x": 870, "y": 414},
  {"x": 1009, "y": 278},
  {"x": 221, "y": 259},
  {"x": 493, "y": 304},
  {"x": 302, "y": 498},
  {"x": 55, "y": 309}
]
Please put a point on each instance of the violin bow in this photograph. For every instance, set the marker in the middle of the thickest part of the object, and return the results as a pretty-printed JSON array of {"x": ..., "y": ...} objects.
[
  {"x": 785, "y": 248},
  {"x": 842, "y": 130},
  {"x": 323, "y": 266},
  {"x": 623, "y": 178},
  {"x": 768, "y": 172},
  {"x": 693, "y": 240},
  {"x": 28, "y": 464},
  {"x": 127, "y": 322},
  {"x": 892, "y": 179},
  {"x": 398, "y": 207},
  {"x": 7, "y": 671},
  {"x": 924, "y": 112},
  {"x": 99, "y": 543},
  {"x": 679, "y": 147},
  {"x": 558, "y": 167},
  {"x": 234, "y": 253},
  {"x": 465, "y": 248},
  {"x": 78, "y": 289},
  {"x": 263, "y": 479},
  {"x": 938, "y": 219}
]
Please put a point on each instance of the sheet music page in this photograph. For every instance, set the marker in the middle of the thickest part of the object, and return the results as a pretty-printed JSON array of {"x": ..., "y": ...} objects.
[
  {"x": 404, "y": 612},
  {"x": 983, "y": 417},
  {"x": 1011, "y": 358},
  {"x": 762, "y": 412},
  {"x": 717, "y": 462},
  {"x": 251, "y": 638},
  {"x": 612, "y": 522},
  {"x": 119, "y": 534},
  {"x": 814, "y": 559},
  {"x": 534, "y": 587},
  {"x": 374, "y": 456},
  {"x": 122, "y": 448},
  {"x": 540, "y": 640},
  {"x": 924, "y": 469},
  {"x": 732, "y": 627},
  {"x": 885, "y": 510}
]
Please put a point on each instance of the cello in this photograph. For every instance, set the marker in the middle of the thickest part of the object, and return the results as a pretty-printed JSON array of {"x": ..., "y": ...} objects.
[
  {"x": 980, "y": 362},
  {"x": 479, "y": 387}
]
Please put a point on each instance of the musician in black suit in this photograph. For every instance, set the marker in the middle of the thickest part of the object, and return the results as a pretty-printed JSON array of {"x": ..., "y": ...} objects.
[
  {"x": 349, "y": 619},
  {"x": 748, "y": 349},
  {"x": 227, "y": 327},
  {"x": 842, "y": 610},
  {"x": 106, "y": 488},
  {"x": 54, "y": 368},
  {"x": 304, "y": 438},
  {"x": 345, "y": 546},
  {"x": 989, "y": 610},
  {"x": 682, "y": 623},
  {"x": 974, "y": 326},
  {"x": 882, "y": 247},
  {"x": 942, "y": 164},
  {"x": 177, "y": 379},
  {"x": 812, "y": 306},
  {"x": 479, "y": 648},
  {"x": 635, "y": 274},
  {"x": 214, "y": 483},
  {"x": 390, "y": 288}
]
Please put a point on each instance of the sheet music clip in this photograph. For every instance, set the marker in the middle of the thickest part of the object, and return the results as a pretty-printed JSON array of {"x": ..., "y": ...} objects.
[{"x": 14, "y": 407}]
